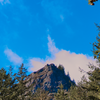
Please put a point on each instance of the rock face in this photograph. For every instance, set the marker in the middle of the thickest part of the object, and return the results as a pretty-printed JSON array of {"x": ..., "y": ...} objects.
[{"x": 49, "y": 78}]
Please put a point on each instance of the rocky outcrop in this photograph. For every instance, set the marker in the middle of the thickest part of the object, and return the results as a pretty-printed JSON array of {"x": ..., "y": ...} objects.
[{"x": 49, "y": 78}]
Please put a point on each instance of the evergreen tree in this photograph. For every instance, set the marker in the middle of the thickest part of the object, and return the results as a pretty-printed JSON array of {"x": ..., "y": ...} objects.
[
  {"x": 22, "y": 91},
  {"x": 76, "y": 92},
  {"x": 13, "y": 86},
  {"x": 61, "y": 67},
  {"x": 60, "y": 95},
  {"x": 93, "y": 85},
  {"x": 41, "y": 94},
  {"x": 6, "y": 84}
]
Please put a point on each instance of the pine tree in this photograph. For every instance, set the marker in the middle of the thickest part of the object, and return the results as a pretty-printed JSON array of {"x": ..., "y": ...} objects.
[
  {"x": 22, "y": 91},
  {"x": 60, "y": 95},
  {"x": 61, "y": 67},
  {"x": 6, "y": 84},
  {"x": 93, "y": 85},
  {"x": 13, "y": 86},
  {"x": 76, "y": 92},
  {"x": 40, "y": 94}
]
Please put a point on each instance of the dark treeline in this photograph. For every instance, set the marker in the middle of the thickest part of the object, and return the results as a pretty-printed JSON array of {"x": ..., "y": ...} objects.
[{"x": 13, "y": 87}]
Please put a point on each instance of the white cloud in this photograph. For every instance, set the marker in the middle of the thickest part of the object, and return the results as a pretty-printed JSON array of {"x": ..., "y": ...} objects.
[
  {"x": 51, "y": 46},
  {"x": 4, "y": 2},
  {"x": 13, "y": 57},
  {"x": 70, "y": 61}
]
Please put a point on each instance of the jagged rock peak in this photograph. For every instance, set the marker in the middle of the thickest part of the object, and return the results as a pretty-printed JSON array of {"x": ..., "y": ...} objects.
[
  {"x": 49, "y": 78},
  {"x": 47, "y": 68}
]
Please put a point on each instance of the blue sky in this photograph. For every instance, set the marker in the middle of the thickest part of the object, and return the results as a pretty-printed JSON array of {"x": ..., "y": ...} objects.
[{"x": 37, "y": 32}]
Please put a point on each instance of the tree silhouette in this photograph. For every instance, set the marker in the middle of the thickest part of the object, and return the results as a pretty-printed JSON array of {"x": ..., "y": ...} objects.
[
  {"x": 91, "y": 2},
  {"x": 23, "y": 91},
  {"x": 6, "y": 86}
]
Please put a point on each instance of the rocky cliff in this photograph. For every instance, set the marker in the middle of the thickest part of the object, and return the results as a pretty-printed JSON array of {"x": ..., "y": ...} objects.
[{"x": 49, "y": 78}]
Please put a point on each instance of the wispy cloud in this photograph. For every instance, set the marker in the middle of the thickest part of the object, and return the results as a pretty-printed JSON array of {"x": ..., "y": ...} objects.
[
  {"x": 7, "y": 1},
  {"x": 55, "y": 10},
  {"x": 13, "y": 57},
  {"x": 70, "y": 60},
  {"x": 51, "y": 46},
  {"x": 1, "y": 1},
  {"x": 4, "y": 2}
]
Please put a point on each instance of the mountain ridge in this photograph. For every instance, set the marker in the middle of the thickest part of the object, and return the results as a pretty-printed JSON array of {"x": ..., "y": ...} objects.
[{"x": 49, "y": 78}]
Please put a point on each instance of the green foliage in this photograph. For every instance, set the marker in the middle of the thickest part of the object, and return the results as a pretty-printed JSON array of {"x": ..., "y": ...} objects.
[
  {"x": 91, "y": 2},
  {"x": 97, "y": 46},
  {"x": 60, "y": 95},
  {"x": 6, "y": 86},
  {"x": 92, "y": 87},
  {"x": 23, "y": 91},
  {"x": 77, "y": 92},
  {"x": 88, "y": 90},
  {"x": 61, "y": 67},
  {"x": 40, "y": 94},
  {"x": 10, "y": 90}
]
